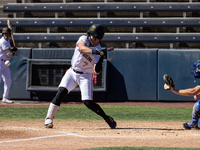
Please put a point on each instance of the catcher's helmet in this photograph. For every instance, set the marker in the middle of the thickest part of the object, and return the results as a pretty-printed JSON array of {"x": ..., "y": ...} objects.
[
  {"x": 6, "y": 30},
  {"x": 196, "y": 70},
  {"x": 97, "y": 30}
]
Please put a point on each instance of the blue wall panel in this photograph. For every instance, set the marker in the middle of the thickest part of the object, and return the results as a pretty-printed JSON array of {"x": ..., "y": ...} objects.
[
  {"x": 18, "y": 69},
  {"x": 176, "y": 63},
  {"x": 53, "y": 53},
  {"x": 132, "y": 75}
]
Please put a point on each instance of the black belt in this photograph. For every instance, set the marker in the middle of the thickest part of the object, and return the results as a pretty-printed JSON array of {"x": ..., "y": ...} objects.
[{"x": 77, "y": 71}]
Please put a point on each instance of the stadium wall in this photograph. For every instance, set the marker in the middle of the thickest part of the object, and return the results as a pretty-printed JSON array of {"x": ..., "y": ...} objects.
[{"x": 132, "y": 74}]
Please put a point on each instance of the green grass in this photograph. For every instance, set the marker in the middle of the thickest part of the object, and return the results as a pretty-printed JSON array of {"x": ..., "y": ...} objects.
[
  {"x": 140, "y": 148},
  {"x": 120, "y": 113}
]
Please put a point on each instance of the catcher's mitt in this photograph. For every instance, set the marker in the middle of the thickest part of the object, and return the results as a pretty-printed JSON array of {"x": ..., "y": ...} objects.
[{"x": 168, "y": 82}]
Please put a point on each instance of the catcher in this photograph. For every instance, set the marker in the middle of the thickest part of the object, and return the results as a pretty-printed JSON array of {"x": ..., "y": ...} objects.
[{"x": 169, "y": 85}]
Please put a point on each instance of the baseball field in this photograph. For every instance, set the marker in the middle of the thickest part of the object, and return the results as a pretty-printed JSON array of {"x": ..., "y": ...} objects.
[{"x": 140, "y": 125}]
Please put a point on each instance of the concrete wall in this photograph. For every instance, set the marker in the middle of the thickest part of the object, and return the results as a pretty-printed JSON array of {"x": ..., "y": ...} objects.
[
  {"x": 176, "y": 63},
  {"x": 133, "y": 75}
]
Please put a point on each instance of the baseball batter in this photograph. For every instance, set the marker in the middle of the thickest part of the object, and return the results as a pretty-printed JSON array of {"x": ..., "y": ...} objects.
[
  {"x": 195, "y": 123},
  {"x": 5, "y": 53},
  {"x": 87, "y": 59}
]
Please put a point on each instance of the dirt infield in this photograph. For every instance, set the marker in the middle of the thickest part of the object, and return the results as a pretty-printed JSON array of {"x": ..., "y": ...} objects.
[{"x": 73, "y": 135}]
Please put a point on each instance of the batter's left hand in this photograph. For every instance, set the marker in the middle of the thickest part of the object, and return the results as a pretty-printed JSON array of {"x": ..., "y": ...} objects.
[
  {"x": 14, "y": 49},
  {"x": 103, "y": 52}
]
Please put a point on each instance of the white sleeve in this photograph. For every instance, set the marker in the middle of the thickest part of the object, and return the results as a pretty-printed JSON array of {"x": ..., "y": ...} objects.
[
  {"x": 5, "y": 45},
  {"x": 82, "y": 39}
]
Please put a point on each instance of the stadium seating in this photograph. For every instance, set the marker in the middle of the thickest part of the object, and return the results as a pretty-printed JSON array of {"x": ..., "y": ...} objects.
[
  {"x": 107, "y": 22},
  {"x": 100, "y": 7},
  {"x": 97, "y": 9},
  {"x": 111, "y": 37},
  {"x": 125, "y": 22}
]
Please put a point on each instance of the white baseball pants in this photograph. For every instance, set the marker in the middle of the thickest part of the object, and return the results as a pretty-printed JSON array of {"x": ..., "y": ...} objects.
[
  {"x": 71, "y": 79},
  {"x": 6, "y": 76}
]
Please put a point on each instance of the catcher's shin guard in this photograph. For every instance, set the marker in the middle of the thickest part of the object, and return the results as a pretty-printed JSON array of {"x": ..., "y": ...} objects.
[
  {"x": 195, "y": 115},
  {"x": 50, "y": 115}
]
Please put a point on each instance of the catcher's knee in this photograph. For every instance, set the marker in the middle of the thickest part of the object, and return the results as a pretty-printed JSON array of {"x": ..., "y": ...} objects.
[
  {"x": 198, "y": 124},
  {"x": 60, "y": 95},
  {"x": 196, "y": 109}
]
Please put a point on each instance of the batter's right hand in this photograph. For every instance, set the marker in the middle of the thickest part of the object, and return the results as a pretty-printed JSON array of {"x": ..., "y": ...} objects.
[{"x": 16, "y": 53}]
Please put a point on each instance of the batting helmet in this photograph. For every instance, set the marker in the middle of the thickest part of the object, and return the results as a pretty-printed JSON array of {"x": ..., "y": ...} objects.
[
  {"x": 196, "y": 70},
  {"x": 97, "y": 31},
  {"x": 6, "y": 30}
]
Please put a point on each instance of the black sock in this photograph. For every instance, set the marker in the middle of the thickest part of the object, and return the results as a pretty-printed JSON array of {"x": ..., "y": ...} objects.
[{"x": 96, "y": 108}]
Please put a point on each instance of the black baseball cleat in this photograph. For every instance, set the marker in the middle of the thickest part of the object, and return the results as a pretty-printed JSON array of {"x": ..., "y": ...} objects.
[
  {"x": 111, "y": 122},
  {"x": 186, "y": 126}
]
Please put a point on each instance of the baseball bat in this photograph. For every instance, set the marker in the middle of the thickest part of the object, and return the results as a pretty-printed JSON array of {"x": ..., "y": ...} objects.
[
  {"x": 110, "y": 49},
  {"x": 10, "y": 26},
  {"x": 102, "y": 52}
]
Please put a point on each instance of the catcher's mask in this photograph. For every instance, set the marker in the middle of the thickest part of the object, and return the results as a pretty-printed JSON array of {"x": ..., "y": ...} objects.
[
  {"x": 96, "y": 30},
  {"x": 6, "y": 30},
  {"x": 196, "y": 70}
]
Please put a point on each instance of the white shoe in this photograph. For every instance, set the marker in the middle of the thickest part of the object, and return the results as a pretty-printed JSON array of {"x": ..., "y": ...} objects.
[
  {"x": 48, "y": 123},
  {"x": 5, "y": 100}
]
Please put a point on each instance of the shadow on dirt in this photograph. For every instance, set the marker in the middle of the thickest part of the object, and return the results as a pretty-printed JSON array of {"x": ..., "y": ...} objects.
[{"x": 149, "y": 129}]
